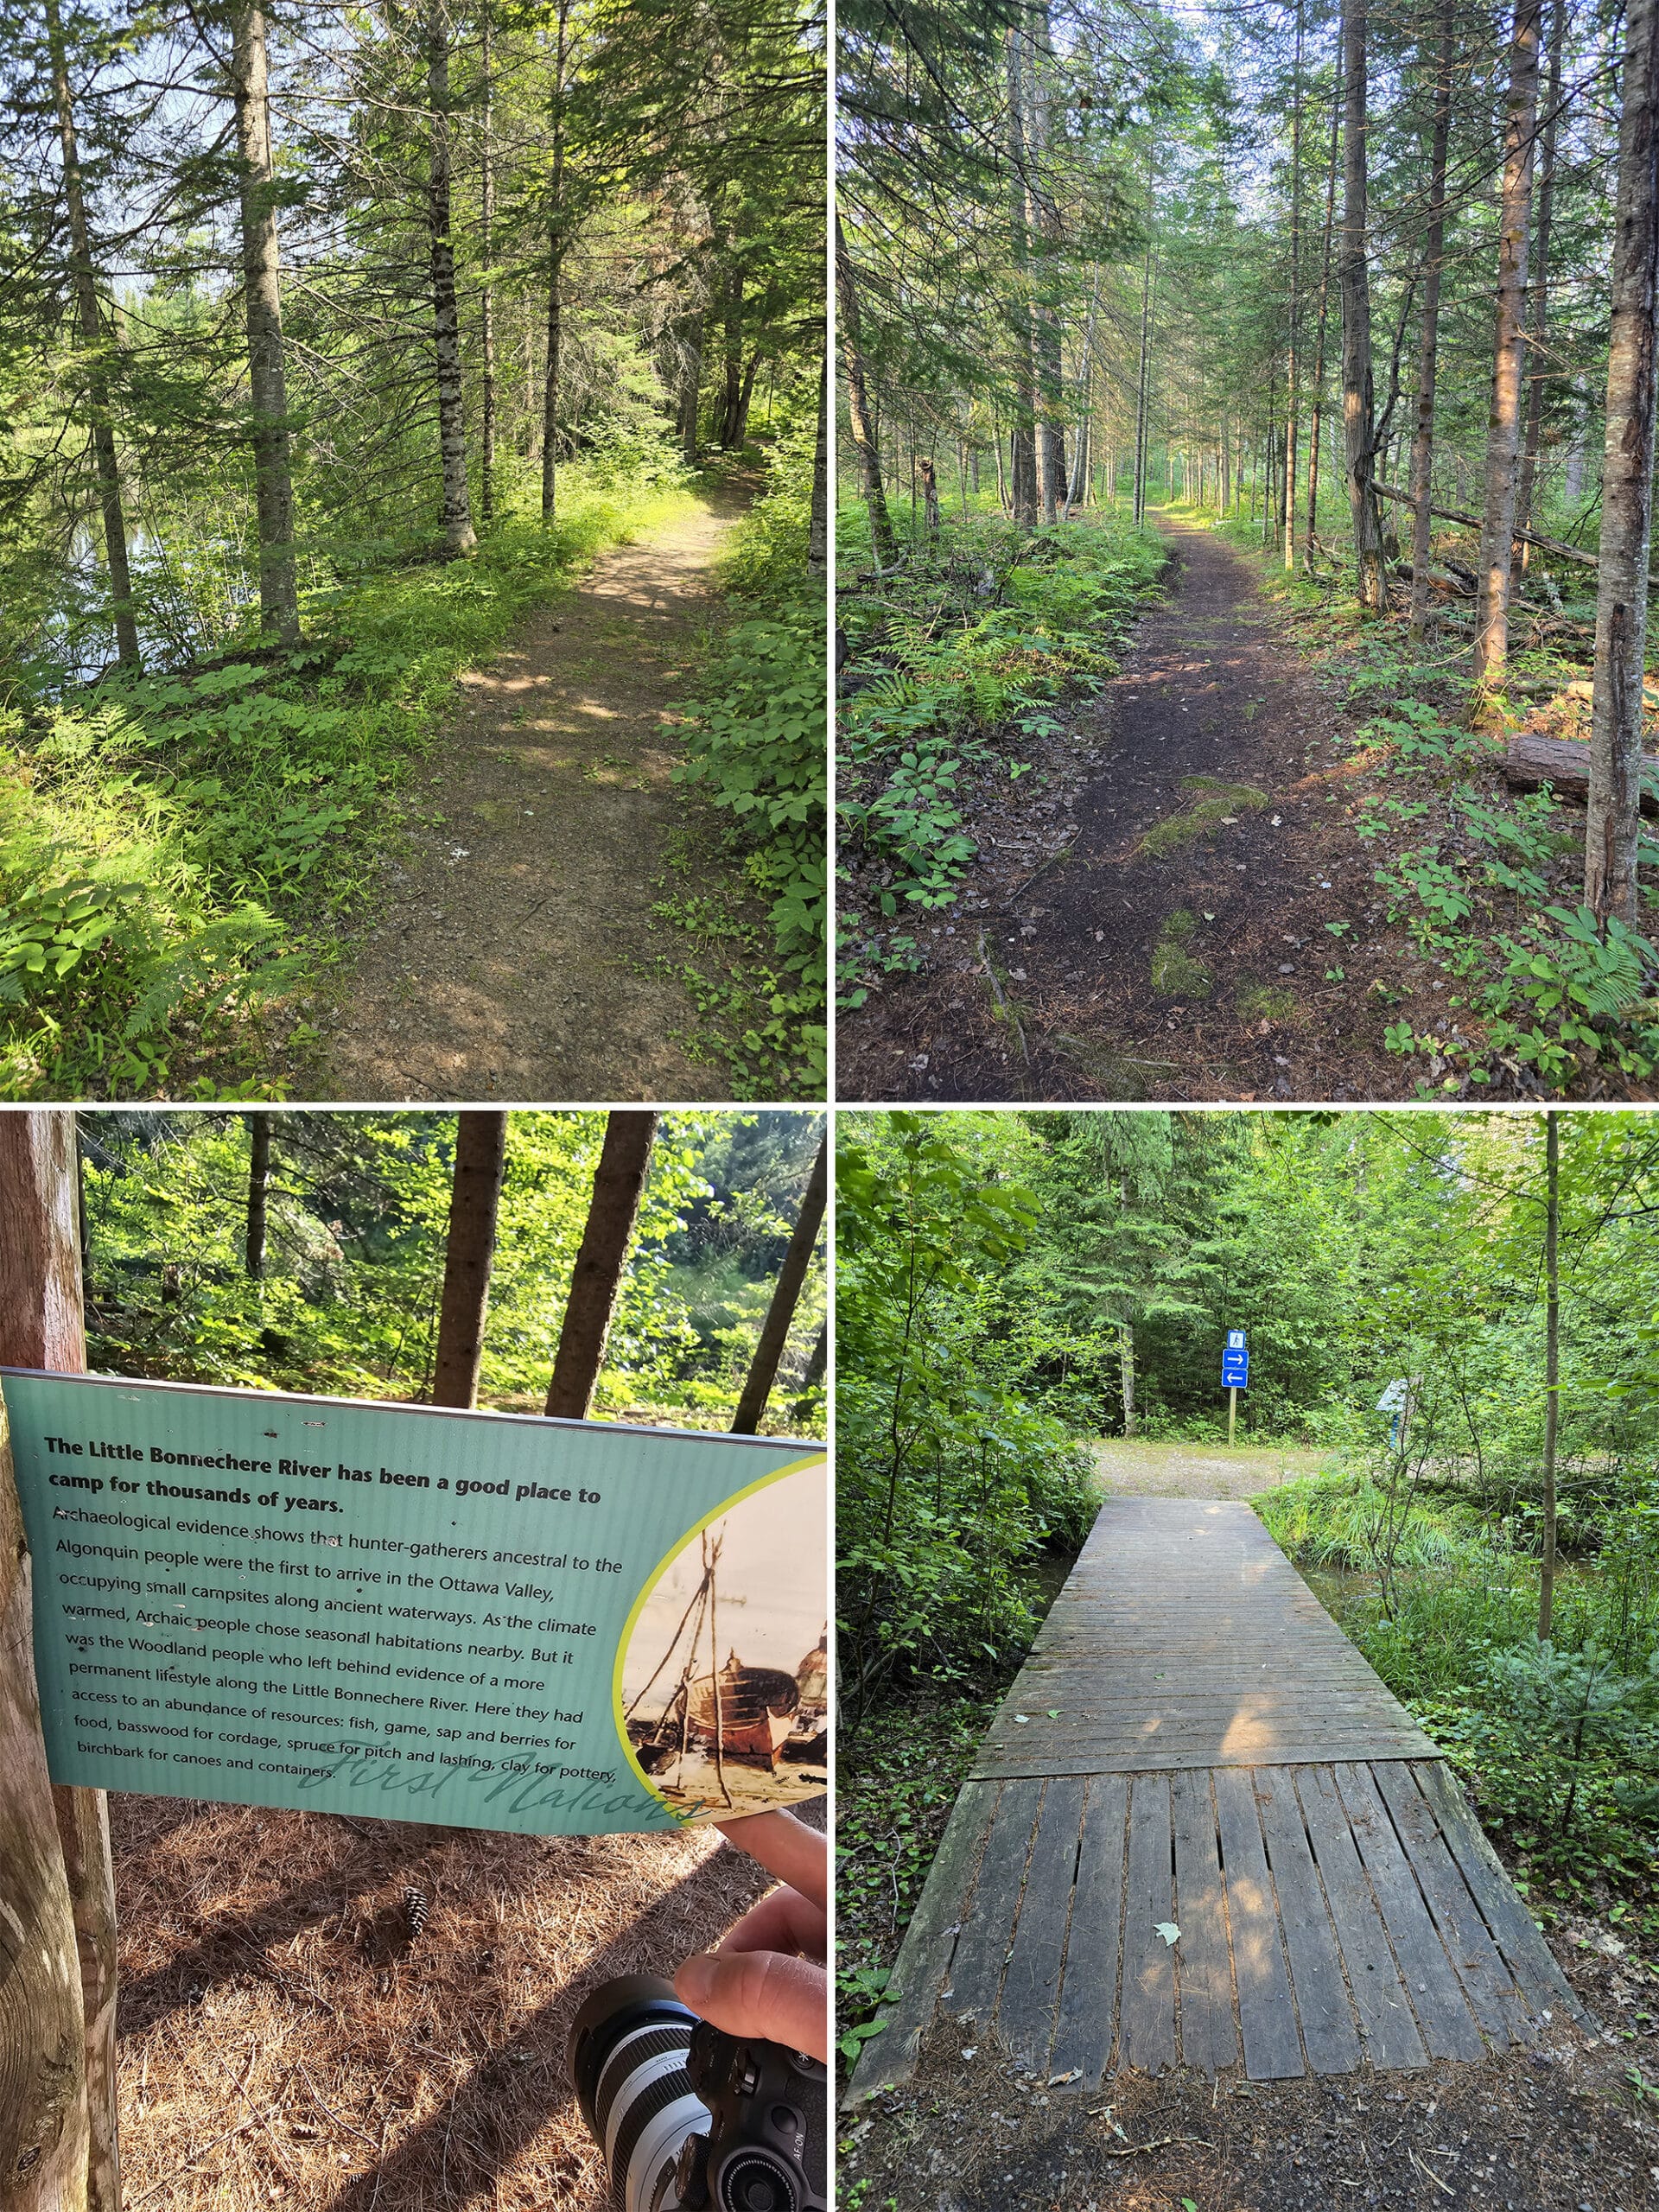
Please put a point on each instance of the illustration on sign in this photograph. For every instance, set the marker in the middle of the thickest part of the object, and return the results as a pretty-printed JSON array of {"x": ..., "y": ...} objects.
[{"x": 486, "y": 1620}]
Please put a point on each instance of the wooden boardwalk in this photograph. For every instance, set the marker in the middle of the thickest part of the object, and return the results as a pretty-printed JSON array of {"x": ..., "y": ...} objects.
[{"x": 1193, "y": 1744}]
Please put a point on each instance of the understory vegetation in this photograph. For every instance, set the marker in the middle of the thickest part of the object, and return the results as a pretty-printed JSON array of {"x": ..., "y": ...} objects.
[
  {"x": 1012, "y": 1285},
  {"x": 960, "y": 654},
  {"x": 343, "y": 1298}
]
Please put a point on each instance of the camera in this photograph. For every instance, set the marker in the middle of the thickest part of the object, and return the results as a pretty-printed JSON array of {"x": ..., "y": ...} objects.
[{"x": 693, "y": 2120}]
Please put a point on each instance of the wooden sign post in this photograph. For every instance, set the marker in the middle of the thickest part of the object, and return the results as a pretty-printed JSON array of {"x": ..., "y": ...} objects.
[{"x": 58, "y": 2139}]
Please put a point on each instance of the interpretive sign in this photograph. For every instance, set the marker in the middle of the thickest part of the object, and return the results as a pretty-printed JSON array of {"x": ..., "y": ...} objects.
[{"x": 487, "y": 1620}]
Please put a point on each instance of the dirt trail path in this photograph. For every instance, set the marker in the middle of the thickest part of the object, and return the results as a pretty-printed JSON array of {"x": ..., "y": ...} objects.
[
  {"x": 1191, "y": 963},
  {"x": 513, "y": 955},
  {"x": 1131, "y": 1467}
]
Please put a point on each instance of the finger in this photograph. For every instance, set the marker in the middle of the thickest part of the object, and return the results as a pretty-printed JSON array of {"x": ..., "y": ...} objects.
[
  {"x": 783, "y": 1920},
  {"x": 761, "y": 1994},
  {"x": 786, "y": 1847}
]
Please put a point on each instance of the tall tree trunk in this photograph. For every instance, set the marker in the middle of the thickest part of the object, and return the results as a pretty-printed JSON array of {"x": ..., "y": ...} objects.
[
  {"x": 1353, "y": 282},
  {"x": 1540, "y": 275},
  {"x": 1289, "y": 502},
  {"x": 1043, "y": 217},
  {"x": 1126, "y": 1372},
  {"x": 860, "y": 417},
  {"x": 929, "y": 498},
  {"x": 557, "y": 241},
  {"x": 474, "y": 1198},
  {"x": 1022, "y": 447},
  {"x": 817, "y": 527},
  {"x": 1627, "y": 487},
  {"x": 731, "y": 413},
  {"x": 1143, "y": 383},
  {"x": 774, "y": 1330},
  {"x": 279, "y": 606},
  {"x": 1319, "y": 350},
  {"x": 258, "y": 1191},
  {"x": 1552, "y": 1345},
  {"x": 59, "y": 2145},
  {"x": 1509, "y": 352},
  {"x": 1422, "y": 444},
  {"x": 691, "y": 389},
  {"x": 459, "y": 537},
  {"x": 596, "y": 1280},
  {"x": 92, "y": 337},
  {"x": 487, "y": 298}
]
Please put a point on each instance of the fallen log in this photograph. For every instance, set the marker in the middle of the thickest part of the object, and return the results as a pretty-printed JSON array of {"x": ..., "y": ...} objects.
[
  {"x": 1555, "y": 546},
  {"x": 1530, "y": 759}
]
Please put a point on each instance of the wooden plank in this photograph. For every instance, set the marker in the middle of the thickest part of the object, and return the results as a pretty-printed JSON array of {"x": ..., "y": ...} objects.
[
  {"x": 1385, "y": 2015},
  {"x": 1146, "y": 2021},
  {"x": 1267, "y": 2013},
  {"x": 1030, "y": 1985},
  {"x": 1449, "y": 2028},
  {"x": 988, "y": 1920},
  {"x": 1513, "y": 1928},
  {"x": 1086, "y": 2021},
  {"x": 924, "y": 1958},
  {"x": 1316, "y": 1750},
  {"x": 1491, "y": 1987},
  {"x": 1204, "y": 1966},
  {"x": 1327, "y": 2018}
]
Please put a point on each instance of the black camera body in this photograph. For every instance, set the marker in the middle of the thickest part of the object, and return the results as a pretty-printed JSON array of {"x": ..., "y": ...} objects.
[{"x": 690, "y": 2119}]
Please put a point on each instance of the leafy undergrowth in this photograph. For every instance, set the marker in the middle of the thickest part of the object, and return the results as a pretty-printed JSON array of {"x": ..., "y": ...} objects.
[
  {"x": 1486, "y": 881},
  {"x": 1558, "y": 1742},
  {"x": 957, "y": 656},
  {"x": 755, "y": 751},
  {"x": 176, "y": 851}
]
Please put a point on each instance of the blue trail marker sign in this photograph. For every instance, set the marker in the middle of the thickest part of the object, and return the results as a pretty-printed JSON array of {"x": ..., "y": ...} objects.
[
  {"x": 486, "y": 1620},
  {"x": 1235, "y": 1375}
]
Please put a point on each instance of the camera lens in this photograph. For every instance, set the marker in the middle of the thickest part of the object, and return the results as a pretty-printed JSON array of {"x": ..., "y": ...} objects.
[
  {"x": 753, "y": 2182},
  {"x": 628, "y": 2050}
]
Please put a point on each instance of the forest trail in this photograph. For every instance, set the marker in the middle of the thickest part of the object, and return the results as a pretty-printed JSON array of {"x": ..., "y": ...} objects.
[
  {"x": 1226, "y": 1846},
  {"x": 515, "y": 956},
  {"x": 1178, "y": 946},
  {"x": 1132, "y": 1467}
]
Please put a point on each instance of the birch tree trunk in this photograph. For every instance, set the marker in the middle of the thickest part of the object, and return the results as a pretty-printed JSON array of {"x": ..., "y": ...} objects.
[
  {"x": 459, "y": 537},
  {"x": 85, "y": 281},
  {"x": 596, "y": 1280},
  {"x": 1534, "y": 374},
  {"x": 1353, "y": 282},
  {"x": 59, "y": 2144},
  {"x": 279, "y": 606},
  {"x": 774, "y": 1330},
  {"x": 1509, "y": 353},
  {"x": 1422, "y": 444},
  {"x": 474, "y": 1198},
  {"x": 1610, "y": 881},
  {"x": 1126, "y": 1372},
  {"x": 861, "y": 420}
]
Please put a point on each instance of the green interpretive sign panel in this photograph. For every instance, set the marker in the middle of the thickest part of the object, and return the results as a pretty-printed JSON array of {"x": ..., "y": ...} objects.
[{"x": 482, "y": 1619}]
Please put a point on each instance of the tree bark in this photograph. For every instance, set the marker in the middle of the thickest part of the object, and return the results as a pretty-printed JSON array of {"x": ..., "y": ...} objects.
[
  {"x": 1126, "y": 1372},
  {"x": 1540, "y": 273},
  {"x": 1422, "y": 444},
  {"x": 732, "y": 409},
  {"x": 861, "y": 421},
  {"x": 1143, "y": 383},
  {"x": 1319, "y": 350},
  {"x": 475, "y": 1195},
  {"x": 58, "y": 2143},
  {"x": 1353, "y": 282},
  {"x": 1509, "y": 352},
  {"x": 1610, "y": 867},
  {"x": 1295, "y": 303},
  {"x": 596, "y": 1281},
  {"x": 258, "y": 1191},
  {"x": 1022, "y": 443},
  {"x": 1552, "y": 1347},
  {"x": 556, "y": 240},
  {"x": 1043, "y": 218},
  {"x": 92, "y": 337},
  {"x": 692, "y": 389},
  {"x": 817, "y": 527},
  {"x": 459, "y": 537},
  {"x": 279, "y": 606},
  {"x": 774, "y": 1330},
  {"x": 487, "y": 297}
]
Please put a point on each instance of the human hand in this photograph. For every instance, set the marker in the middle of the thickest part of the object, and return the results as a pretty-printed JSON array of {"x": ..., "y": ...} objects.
[{"x": 768, "y": 1977}]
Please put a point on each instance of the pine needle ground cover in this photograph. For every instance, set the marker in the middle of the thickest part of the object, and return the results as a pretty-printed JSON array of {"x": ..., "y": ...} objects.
[{"x": 178, "y": 851}]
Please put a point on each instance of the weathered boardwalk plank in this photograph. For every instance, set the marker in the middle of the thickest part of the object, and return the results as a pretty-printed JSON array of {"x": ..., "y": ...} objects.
[{"x": 1194, "y": 1742}]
